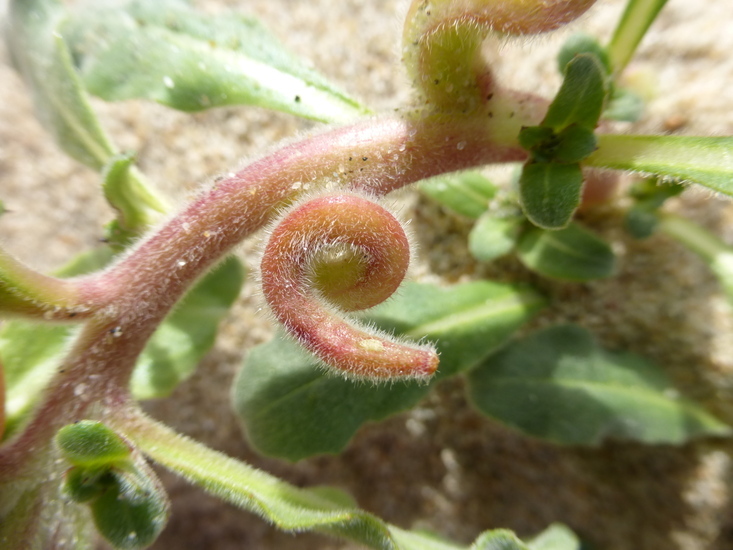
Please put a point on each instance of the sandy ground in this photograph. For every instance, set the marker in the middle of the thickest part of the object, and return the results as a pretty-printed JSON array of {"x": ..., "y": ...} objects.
[{"x": 441, "y": 466}]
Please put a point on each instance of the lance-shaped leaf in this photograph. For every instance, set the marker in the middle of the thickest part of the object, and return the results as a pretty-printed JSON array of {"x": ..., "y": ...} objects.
[
  {"x": 704, "y": 160},
  {"x": 581, "y": 97},
  {"x": 188, "y": 60},
  {"x": 288, "y": 507},
  {"x": 570, "y": 254},
  {"x": 467, "y": 193},
  {"x": 551, "y": 182},
  {"x": 559, "y": 385},
  {"x": 292, "y": 409},
  {"x": 43, "y": 59}
]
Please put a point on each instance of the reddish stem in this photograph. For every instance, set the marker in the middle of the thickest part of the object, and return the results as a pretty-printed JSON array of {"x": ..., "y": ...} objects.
[
  {"x": 380, "y": 252},
  {"x": 379, "y": 155}
]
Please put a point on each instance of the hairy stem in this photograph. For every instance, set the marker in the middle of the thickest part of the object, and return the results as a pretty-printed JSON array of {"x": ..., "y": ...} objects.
[
  {"x": 373, "y": 256},
  {"x": 441, "y": 43},
  {"x": 27, "y": 293},
  {"x": 377, "y": 155}
]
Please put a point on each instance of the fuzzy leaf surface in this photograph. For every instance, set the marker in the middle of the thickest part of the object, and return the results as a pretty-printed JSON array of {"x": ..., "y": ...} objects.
[
  {"x": 291, "y": 408},
  {"x": 466, "y": 322},
  {"x": 704, "y": 160},
  {"x": 570, "y": 254},
  {"x": 43, "y": 59},
  {"x": 550, "y": 193},
  {"x": 494, "y": 236},
  {"x": 581, "y": 97},
  {"x": 167, "y": 52},
  {"x": 559, "y": 385},
  {"x": 467, "y": 193}
]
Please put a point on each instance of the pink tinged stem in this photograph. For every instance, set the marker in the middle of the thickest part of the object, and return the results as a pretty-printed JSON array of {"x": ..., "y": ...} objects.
[
  {"x": 442, "y": 42},
  {"x": 25, "y": 292},
  {"x": 382, "y": 251},
  {"x": 377, "y": 155}
]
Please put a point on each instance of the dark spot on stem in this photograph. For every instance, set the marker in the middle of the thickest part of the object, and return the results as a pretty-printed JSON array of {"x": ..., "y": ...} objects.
[{"x": 297, "y": 99}]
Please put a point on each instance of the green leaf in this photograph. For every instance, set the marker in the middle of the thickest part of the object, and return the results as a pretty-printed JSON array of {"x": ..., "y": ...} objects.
[
  {"x": 640, "y": 222},
  {"x": 494, "y": 236},
  {"x": 83, "y": 485},
  {"x": 43, "y": 60},
  {"x": 188, "y": 333},
  {"x": 550, "y": 193},
  {"x": 291, "y": 408},
  {"x": 189, "y": 60},
  {"x": 555, "y": 537},
  {"x": 635, "y": 21},
  {"x": 90, "y": 443},
  {"x": 467, "y": 193},
  {"x": 135, "y": 204},
  {"x": 624, "y": 105},
  {"x": 500, "y": 539},
  {"x": 537, "y": 138},
  {"x": 570, "y": 254},
  {"x": 559, "y": 385},
  {"x": 581, "y": 43},
  {"x": 132, "y": 511},
  {"x": 287, "y": 507},
  {"x": 704, "y": 160},
  {"x": 574, "y": 143},
  {"x": 581, "y": 96},
  {"x": 466, "y": 322}
]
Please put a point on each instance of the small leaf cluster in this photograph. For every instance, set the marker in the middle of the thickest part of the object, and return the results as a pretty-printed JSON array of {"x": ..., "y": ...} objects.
[{"x": 128, "y": 506}]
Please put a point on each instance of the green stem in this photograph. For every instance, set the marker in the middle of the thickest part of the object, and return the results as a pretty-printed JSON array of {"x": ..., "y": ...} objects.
[
  {"x": 635, "y": 21},
  {"x": 289, "y": 508},
  {"x": 26, "y": 292}
]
